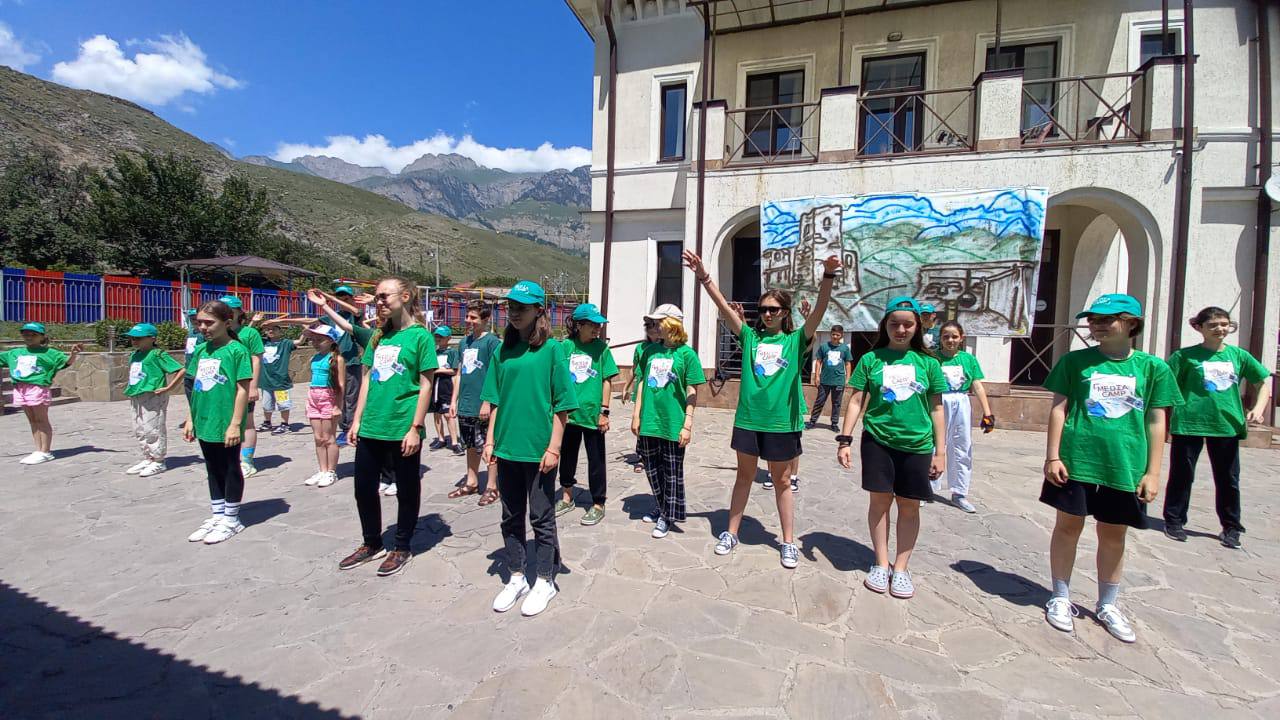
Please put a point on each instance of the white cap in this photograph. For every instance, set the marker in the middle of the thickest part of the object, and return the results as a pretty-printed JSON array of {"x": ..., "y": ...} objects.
[{"x": 665, "y": 310}]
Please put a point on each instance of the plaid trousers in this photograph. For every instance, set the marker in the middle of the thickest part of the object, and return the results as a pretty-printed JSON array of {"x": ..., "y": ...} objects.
[{"x": 664, "y": 466}]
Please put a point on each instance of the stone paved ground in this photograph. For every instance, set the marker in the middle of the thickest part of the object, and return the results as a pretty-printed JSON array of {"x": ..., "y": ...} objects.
[{"x": 107, "y": 612}]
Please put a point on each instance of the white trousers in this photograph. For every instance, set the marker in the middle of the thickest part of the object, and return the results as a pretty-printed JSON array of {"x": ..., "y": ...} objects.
[
  {"x": 959, "y": 413},
  {"x": 150, "y": 411}
]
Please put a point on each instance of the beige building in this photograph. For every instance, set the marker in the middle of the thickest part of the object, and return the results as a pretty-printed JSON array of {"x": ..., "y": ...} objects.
[{"x": 834, "y": 97}]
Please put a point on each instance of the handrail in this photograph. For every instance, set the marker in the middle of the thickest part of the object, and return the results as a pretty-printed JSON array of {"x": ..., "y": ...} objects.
[
  {"x": 798, "y": 147},
  {"x": 943, "y": 126},
  {"x": 1052, "y": 128}
]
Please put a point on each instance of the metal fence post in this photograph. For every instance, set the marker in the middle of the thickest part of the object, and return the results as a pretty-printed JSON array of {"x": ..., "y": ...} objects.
[{"x": 102, "y": 297}]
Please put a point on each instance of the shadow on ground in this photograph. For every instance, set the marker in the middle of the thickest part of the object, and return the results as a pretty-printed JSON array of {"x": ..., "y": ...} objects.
[{"x": 1010, "y": 587}]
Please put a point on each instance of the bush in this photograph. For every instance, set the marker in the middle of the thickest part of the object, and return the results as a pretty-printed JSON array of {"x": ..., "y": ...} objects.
[
  {"x": 172, "y": 336},
  {"x": 122, "y": 326}
]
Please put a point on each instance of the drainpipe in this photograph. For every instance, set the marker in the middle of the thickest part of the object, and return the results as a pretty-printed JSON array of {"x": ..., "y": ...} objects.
[
  {"x": 1262, "y": 243},
  {"x": 1182, "y": 210},
  {"x": 702, "y": 165},
  {"x": 611, "y": 113}
]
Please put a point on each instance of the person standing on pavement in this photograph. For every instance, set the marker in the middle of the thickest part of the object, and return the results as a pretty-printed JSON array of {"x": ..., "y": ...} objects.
[
  {"x": 652, "y": 341},
  {"x": 771, "y": 409},
  {"x": 929, "y": 324},
  {"x": 32, "y": 369},
  {"x": 275, "y": 381},
  {"x": 389, "y": 421},
  {"x": 591, "y": 366},
  {"x": 531, "y": 395},
  {"x": 1105, "y": 441},
  {"x": 477, "y": 350},
  {"x": 251, "y": 339},
  {"x": 351, "y": 347},
  {"x": 442, "y": 393},
  {"x": 148, "y": 392},
  {"x": 963, "y": 373},
  {"x": 194, "y": 338},
  {"x": 831, "y": 366},
  {"x": 1208, "y": 376}
]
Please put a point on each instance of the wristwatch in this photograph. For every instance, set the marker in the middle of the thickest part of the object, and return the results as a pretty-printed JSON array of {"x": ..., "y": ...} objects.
[{"x": 604, "y": 412}]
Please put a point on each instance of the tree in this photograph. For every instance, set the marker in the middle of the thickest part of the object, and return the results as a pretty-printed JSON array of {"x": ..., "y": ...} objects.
[{"x": 43, "y": 212}]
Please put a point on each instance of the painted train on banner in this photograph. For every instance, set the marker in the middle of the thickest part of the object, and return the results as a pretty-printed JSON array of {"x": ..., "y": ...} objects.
[{"x": 973, "y": 254}]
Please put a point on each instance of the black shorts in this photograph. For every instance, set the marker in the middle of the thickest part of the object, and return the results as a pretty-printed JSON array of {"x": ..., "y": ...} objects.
[
  {"x": 1105, "y": 504},
  {"x": 886, "y": 470},
  {"x": 769, "y": 446},
  {"x": 472, "y": 432},
  {"x": 441, "y": 396}
]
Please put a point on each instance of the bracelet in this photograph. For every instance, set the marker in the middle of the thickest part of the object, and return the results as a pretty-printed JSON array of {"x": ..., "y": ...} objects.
[
  {"x": 1046, "y": 462},
  {"x": 705, "y": 279},
  {"x": 847, "y": 439},
  {"x": 553, "y": 452}
]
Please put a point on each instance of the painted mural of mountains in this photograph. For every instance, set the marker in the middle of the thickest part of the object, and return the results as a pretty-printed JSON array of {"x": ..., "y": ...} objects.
[{"x": 539, "y": 206}]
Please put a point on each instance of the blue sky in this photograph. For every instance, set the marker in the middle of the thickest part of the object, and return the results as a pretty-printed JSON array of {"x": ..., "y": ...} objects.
[{"x": 276, "y": 78}]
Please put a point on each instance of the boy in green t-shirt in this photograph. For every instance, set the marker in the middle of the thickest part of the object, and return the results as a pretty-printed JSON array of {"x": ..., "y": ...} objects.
[
  {"x": 148, "y": 392},
  {"x": 831, "y": 367},
  {"x": 442, "y": 392},
  {"x": 475, "y": 352},
  {"x": 275, "y": 383}
]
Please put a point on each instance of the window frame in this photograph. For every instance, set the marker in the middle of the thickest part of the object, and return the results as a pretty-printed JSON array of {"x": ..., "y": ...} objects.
[
  {"x": 663, "y": 87},
  {"x": 1055, "y": 71},
  {"x": 677, "y": 277},
  {"x": 775, "y": 149},
  {"x": 917, "y": 139}
]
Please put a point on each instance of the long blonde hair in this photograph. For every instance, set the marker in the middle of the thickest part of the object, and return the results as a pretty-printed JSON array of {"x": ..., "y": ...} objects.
[{"x": 414, "y": 302}]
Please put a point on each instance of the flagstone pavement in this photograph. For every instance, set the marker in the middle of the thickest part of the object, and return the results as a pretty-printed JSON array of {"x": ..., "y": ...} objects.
[{"x": 106, "y": 611}]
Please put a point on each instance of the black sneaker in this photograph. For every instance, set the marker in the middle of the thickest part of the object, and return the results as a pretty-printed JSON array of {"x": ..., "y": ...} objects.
[
  {"x": 264, "y": 427},
  {"x": 810, "y": 425},
  {"x": 1230, "y": 538},
  {"x": 835, "y": 428},
  {"x": 436, "y": 444},
  {"x": 457, "y": 449},
  {"x": 1175, "y": 532}
]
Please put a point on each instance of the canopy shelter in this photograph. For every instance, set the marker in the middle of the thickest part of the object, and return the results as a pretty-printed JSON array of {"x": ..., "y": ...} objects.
[{"x": 238, "y": 267}]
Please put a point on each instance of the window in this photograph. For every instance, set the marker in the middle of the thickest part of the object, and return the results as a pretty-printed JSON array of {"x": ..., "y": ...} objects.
[
  {"x": 776, "y": 128},
  {"x": 1152, "y": 42},
  {"x": 891, "y": 124},
  {"x": 673, "y": 122},
  {"x": 1038, "y": 61},
  {"x": 668, "y": 288}
]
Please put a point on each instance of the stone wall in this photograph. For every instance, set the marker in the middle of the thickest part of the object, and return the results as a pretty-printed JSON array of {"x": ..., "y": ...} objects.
[{"x": 102, "y": 376}]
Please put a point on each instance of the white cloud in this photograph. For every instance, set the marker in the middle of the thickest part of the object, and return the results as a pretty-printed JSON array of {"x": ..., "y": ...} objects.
[
  {"x": 175, "y": 66},
  {"x": 375, "y": 150},
  {"x": 12, "y": 51}
]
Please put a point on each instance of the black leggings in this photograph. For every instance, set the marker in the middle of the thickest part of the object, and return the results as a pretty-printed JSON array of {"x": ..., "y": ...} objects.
[
  {"x": 524, "y": 488},
  {"x": 223, "y": 465},
  {"x": 374, "y": 458},
  {"x": 1224, "y": 459},
  {"x": 574, "y": 437}
]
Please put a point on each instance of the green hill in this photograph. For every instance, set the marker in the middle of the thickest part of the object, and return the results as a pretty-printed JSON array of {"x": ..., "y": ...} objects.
[{"x": 339, "y": 221}]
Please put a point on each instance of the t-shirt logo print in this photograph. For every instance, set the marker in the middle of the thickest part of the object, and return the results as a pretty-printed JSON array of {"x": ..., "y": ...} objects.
[
  {"x": 580, "y": 368},
  {"x": 899, "y": 383},
  {"x": 270, "y": 354},
  {"x": 386, "y": 362},
  {"x": 1113, "y": 396},
  {"x": 955, "y": 377},
  {"x": 136, "y": 375},
  {"x": 769, "y": 360},
  {"x": 834, "y": 358},
  {"x": 660, "y": 372},
  {"x": 471, "y": 361},
  {"x": 1219, "y": 375},
  {"x": 26, "y": 366},
  {"x": 209, "y": 374}
]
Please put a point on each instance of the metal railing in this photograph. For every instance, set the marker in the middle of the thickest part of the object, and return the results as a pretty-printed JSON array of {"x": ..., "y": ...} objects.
[
  {"x": 772, "y": 134},
  {"x": 1089, "y": 109},
  {"x": 916, "y": 122}
]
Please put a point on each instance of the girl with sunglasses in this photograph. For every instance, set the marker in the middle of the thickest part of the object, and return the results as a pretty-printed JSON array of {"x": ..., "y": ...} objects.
[
  {"x": 652, "y": 341},
  {"x": 771, "y": 407}
]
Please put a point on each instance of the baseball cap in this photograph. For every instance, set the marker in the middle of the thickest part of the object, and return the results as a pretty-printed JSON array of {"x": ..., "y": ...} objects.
[
  {"x": 527, "y": 292},
  {"x": 928, "y": 308},
  {"x": 35, "y": 327},
  {"x": 590, "y": 313},
  {"x": 1113, "y": 304},
  {"x": 444, "y": 331},
  {"x": 344, "y": 290},
  {"x": 191, "y": 312},
  {"x": 333, "y": 333},
  {"x": 232, "y": 302},
  {"x": 143, "y": 330},
  {"x": 665, "y": 310},
  {"x": 903, "y": 302}
]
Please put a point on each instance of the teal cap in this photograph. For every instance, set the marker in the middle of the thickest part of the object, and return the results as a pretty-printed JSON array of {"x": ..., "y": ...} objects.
[
  {"x": 590, "y": 313},
  {"x": 143, "y": 330},
  {"x": 444, "y": 331},
  {"x": 34, "y": 327},
  {"x": 928, "y": 308},
  {"x": 344, "y": 290},
  {"x": 231, "y": 301},
  {"x": 1113, "y": 304},
  {"x": 191, "y": 312},
  {"x": 527, "y": 292},
  {"x": 903, "y": 302}
]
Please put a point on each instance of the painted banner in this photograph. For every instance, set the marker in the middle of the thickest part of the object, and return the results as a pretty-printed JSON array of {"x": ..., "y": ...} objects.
[{"x": 973, "y": 254}]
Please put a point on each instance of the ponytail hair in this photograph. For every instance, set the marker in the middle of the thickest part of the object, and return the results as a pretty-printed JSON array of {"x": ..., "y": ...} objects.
[
  {"x": 334, "y": 358},
  {"x": 222, "y": 312},
  {"x": 415, "y": 307}
]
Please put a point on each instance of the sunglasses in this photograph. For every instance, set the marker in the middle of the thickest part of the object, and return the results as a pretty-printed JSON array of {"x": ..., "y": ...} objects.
[{"x": 771, "y": 309}]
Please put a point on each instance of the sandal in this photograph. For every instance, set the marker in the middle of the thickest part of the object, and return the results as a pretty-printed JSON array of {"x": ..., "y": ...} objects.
[
  {"x": 490, "y": 497},
  {"x": 463, "y": 491}
]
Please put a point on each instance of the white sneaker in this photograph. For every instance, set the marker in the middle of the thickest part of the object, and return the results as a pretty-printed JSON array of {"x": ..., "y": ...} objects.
[
  {"x": 36, "y": 458},
  {"x": 248, "y": 470},
  {"x": 226, "y": 528},
  {"x": 204, "y": 529},
  {"x": 1059, "y": 611},
  {"x": 651, "y": 518},
  {"x": 513, "y": 591},
  {"x": 315, "y": 478},
  {"x": 135, "y": 469},
  {"x": 726, "y": 543},
  {"x": 660, "y": 528},
  {"x": 327, "y": 479},
  {"x": 152, "y": 468},
  {"x": 383, "y": 487},
  {"x": 391, "y": 490},
  {"x": 541, "y": 594},
  {"x": 1116, "y": 623}
]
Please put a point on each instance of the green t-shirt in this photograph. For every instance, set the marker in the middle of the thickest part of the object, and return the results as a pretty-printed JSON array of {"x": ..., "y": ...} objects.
[
  {"x": 770, "y": 398},
  {"x": 396, "y": 366},
  {"x": 833, "y": 358},
  {"x": 213, "y": 398},
  {"x": 251, "y": 339},
  {"x": 447, "y": 359},
  {"x": 528, "y": 385},
  {"x": 899, "y": 384},
  {"x": 1104, "y": 441},
  {"x": 665, "y": 379},
  {"x": 589, "y": 365},
  {"x": 148, "y": 371},
  {"x": 34, "y": 367},
  {"x": 476, "y": 353},
  {"x": 275, "y": 365},
  {"x": 960, "y": 370},
  {"x": 637, "y": 362},
  {"x": 352, "y": 344},
  {"x": 1210, "y": 385}
]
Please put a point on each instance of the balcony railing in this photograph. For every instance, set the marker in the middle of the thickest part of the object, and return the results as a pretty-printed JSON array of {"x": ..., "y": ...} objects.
[
  {"x": 1080, "y": 110},
  {"x": 772, "y": 134},
  {"x": 915, "y": 122}
]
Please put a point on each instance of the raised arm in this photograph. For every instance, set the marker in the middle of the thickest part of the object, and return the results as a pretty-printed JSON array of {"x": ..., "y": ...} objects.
[
  {"x": 829, "y": 268},
  {"x": 321, "y": 300},
  {"x": 730, "y": 318}
]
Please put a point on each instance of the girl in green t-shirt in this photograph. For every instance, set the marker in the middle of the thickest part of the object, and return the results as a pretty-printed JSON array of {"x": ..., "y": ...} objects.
[
  {"x": 592, "y": 369},
  {"x": 1106, "y": 435},
  {"x": 389, "y": 420},
  {"x": 32, "y": 369},
  {"x": 531, "y": 394},
  {"x": 662, "y": 420},
  {"x": 443, "y": 392},
  {"x": 148, "y": 392},
  {"x": 652, "y": 340},
  {"x": 1209, "y": 376},
  {"x": 251, "y": 339},
  {"x": 771, "y": 408},
  {"x": 904, "y": 444},
  {"x": 219, "y": 414},
  {"x": 963, "y": 373}
]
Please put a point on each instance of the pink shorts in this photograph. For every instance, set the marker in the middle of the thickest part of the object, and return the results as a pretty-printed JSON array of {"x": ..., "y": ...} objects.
[
  {"x": 321, "y": 404},
  {"x": 28, "y": 395}
]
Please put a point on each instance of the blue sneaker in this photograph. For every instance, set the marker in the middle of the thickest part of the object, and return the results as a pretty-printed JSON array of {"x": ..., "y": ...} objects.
[{"x": 342, "y": 439}]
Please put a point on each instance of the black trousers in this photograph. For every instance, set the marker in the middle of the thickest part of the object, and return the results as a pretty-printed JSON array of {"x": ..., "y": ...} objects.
[
  {"x": 837, "y": 396},
  {"x": 597, "y": 477},
  {"x": 524, "y": 488},
  {"x": 374, "y": 458},
  {"x": 1224, "y": 459},
  {"x": 354, "y": 376},
  {"x": 223, "y": 466}
]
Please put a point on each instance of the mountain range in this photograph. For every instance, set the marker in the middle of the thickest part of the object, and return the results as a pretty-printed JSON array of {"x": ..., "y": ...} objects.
[{"x": 540, "y": 206}]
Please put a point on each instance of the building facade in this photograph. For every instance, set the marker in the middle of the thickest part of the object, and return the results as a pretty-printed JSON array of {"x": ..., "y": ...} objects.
[{"x": 805, "y": 98}]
